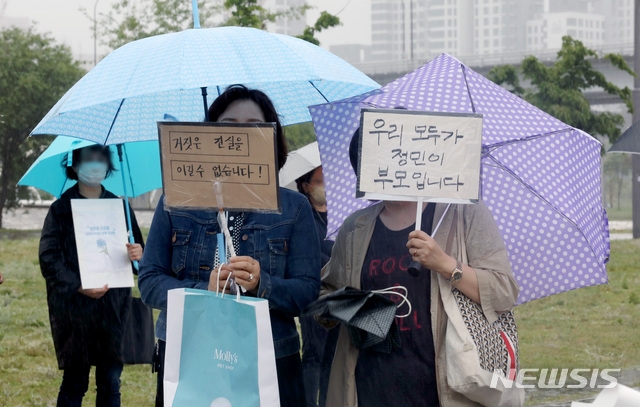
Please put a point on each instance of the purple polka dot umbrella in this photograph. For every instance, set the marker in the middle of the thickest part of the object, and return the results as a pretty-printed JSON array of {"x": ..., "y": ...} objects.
[{"x": 540, "y": 176}]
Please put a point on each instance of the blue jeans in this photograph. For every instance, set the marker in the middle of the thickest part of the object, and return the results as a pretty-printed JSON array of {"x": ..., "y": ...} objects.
[
  {"x": 75, "y": 383},
  {"x": 182, "y": 245}
]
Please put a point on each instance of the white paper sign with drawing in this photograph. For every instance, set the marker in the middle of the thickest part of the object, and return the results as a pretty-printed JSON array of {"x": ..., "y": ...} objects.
[
  {"x": 101, "y": 238},
  {"x": 419, "y": 156}
]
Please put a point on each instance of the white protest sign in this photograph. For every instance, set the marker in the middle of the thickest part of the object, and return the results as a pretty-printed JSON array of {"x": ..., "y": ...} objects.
[
  {"x": 101, "y": 238},
  {"x": 415, "y": 155}
]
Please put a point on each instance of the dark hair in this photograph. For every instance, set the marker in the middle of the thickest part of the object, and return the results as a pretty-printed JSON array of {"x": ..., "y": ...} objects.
[
  {"x": 77, "y": 154},
  {"x": 240, "y": 92},
  {"x": 305, "y": 179},
  {"x": 354, "y": 150}
]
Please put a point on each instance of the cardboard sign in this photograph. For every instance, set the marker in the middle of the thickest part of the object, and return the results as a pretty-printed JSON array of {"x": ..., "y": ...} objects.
[
  {"x": 101, "y": 238},
  {"x": 220, "y": 165},
  {"x": 407, "y": 155}
]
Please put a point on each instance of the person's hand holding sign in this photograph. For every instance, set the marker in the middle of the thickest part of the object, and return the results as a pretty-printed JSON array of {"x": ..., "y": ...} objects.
[
  {"x": 428, "y": 252},
  {"x": 218, "y": 280},
  {"x": 95, "y": 293},
  {"x": 424, "y": 249},
  {"x": 245, "y": 269},
  {"x": 135, "y": 251}
]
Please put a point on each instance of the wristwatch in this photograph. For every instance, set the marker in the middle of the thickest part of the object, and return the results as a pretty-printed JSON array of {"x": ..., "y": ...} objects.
[{"x": 456, "y": 274}]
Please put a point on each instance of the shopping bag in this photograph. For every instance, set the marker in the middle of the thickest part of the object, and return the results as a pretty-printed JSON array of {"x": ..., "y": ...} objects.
[{"x": 219, "y": 351}]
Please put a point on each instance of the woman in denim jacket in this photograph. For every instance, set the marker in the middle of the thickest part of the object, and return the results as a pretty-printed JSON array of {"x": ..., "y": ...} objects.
[{"x": 278, "y": 254}]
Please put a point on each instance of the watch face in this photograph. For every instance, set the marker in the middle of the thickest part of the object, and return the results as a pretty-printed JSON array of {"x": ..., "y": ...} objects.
[{"x": 456, "y": 276}]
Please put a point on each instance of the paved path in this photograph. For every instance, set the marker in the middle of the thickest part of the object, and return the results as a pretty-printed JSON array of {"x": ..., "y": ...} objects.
[{"x": 29, "y": 218}]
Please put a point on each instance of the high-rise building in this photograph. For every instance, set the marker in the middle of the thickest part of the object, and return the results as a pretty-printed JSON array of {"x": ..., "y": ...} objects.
[
  {"x": 287, "y": 24},
  {"x": 388, "y": 28},
  {"x": 546, "y": 32},
  {"x": 447, "y": 30},
  {"x": 500, "y": 25},
  {"x": 618, "y": 16},
  {"x": 422, "y": 29}
]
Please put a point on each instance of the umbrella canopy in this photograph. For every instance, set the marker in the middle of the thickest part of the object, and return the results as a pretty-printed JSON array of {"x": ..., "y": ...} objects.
[
  {"x": 299, "y": 162},
  {"x": 141, "y": 166},
  {"x": 124, "y": 95},
  {"x": 369, "y": 317},
  {"x": 629, "y": 141},
  {"x": 540, "y": 176}
]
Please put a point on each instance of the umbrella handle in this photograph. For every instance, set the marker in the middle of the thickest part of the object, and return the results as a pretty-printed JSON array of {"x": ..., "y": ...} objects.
[
  {"x": 196, "y": 14},
  {"x": 126, "y": 203},
  {"x": 222, "y": 220},
  {"x": 415, "y": 267}
]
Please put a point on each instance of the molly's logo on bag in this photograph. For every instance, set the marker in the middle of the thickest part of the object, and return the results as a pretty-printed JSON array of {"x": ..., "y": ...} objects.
[
  {"x": 549, "y": 379},
  {"x": 229, "y": 357}
]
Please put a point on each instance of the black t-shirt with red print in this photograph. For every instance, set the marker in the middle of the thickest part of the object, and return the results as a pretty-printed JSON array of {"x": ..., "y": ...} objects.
[{"x": 406, "y": 376}]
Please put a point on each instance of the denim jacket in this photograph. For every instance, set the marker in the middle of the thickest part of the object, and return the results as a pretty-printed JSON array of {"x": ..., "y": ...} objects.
[{"x": 181, "y": 247}]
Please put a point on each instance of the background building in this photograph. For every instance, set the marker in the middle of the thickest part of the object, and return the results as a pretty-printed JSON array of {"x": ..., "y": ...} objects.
[
  {"x": 504, "y": 30},
  {"x": 286, "y": 25}
]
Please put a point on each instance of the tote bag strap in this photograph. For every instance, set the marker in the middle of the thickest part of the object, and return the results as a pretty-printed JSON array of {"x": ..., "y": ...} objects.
[{"x": 452, "y": 232}]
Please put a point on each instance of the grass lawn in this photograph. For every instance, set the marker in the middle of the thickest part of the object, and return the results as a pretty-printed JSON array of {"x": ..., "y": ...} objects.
[
  {"x": 29, "y": 374},
  {"x": 594, "y": 327},
  {"x": 624, "y": 213}
]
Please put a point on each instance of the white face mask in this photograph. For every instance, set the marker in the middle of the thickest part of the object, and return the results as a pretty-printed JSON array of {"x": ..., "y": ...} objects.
[
  {"x": 92, "y": 173},
  {"x": 318, "y": 195}
]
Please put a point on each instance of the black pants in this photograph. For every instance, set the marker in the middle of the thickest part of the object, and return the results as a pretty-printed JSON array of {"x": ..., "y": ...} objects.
[
  {"x": 314, "y": 339},
  {"x": 75, "y": 383},
  {"x": 290, "y": 382},
  {"x": 289, "y": 370},
  {"x": 158, "y": 367}
]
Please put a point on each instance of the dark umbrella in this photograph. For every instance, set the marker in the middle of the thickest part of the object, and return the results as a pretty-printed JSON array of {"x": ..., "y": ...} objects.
[
  {"x": 368, "y": 316},
  {"x": 629, "y": 141}
]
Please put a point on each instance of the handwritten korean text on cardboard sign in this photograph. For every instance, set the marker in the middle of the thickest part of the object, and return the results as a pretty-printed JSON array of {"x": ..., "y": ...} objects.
[{"x": 206, "y": 165}]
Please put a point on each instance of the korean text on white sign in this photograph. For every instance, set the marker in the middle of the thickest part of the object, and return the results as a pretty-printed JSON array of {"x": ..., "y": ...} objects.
[{"x": 410, "y": 155}]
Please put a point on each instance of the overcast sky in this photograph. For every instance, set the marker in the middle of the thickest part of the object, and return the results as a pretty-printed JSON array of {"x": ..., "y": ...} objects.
[{"x": 67, "y": 24}]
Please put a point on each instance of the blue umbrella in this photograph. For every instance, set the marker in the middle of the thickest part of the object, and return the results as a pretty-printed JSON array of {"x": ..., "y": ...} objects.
[
  {"x": 122, "y": 98},
  {"x": 139, "y": 173}
]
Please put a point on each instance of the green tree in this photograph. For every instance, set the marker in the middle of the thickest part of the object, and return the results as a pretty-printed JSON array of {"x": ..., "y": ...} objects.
[
  {"x": 34, "y": 73},
  {"x": 131, "y": 20},
  {"x": 248, "y": 13},
  {"x": 558, "y": 89},
  {"x": 323, "y": 22},
  {"x": 299, "y": 135}
]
